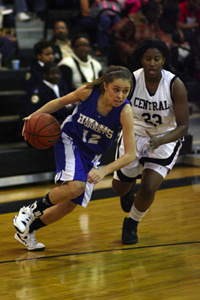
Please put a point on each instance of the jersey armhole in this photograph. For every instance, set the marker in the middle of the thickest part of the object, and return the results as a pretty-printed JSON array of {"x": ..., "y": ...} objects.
[
  {"x": 132, "y": 88},
  {"x": 171, "y": 87}
]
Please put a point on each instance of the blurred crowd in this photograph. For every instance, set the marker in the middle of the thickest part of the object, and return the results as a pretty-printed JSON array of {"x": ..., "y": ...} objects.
[{"x": 100, "y": 28}]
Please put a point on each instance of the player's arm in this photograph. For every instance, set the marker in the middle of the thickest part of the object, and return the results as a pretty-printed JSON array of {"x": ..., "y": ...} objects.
[
  {"x": 126, "y": 120},
  {"x": 181, "y": 111},
  {"x": 52, "y": 106}
]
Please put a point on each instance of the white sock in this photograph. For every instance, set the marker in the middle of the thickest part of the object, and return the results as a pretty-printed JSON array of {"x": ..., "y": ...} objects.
[{"x": 136, "y": 214}]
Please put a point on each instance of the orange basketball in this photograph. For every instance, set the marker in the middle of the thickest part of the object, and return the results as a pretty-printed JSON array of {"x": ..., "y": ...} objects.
[{"x": 42, "y": 131}]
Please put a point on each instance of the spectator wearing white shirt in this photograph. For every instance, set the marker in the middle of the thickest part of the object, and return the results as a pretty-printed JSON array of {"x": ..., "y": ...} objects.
[{"x": 81, "y": 66}]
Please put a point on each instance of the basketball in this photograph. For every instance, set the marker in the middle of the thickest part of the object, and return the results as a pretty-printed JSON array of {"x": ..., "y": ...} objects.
[{"x": 42, "y": 131}]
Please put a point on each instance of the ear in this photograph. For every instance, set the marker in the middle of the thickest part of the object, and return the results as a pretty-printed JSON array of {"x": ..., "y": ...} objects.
[
  {"x": 104, "y": 85},
  {"x": 163, "y": 60}
]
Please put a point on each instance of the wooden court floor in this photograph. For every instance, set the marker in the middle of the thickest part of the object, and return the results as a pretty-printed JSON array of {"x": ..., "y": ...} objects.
[{"x": 85, "y": 259}]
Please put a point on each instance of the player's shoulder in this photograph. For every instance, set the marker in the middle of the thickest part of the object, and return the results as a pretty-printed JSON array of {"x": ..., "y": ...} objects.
[
  {"x": 167, "y": 75},
  {"x": 83, "y": 92},
  {"x": 138, "y": 72},
  {"x": 127, "y": 109}
]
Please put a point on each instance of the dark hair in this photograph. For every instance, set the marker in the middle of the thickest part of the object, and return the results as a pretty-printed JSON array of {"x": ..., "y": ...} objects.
[
  {"x": 41, "y": 45},
  {"x": 79, "y": 36},
  {"x": 150, "y": 6},
  {"x": 146, "y": 44},
  {"x": 46, "y": 68},
  {"x": 171, "y": 11},
  {"x": 59, "y": 20},
  {"x": 112, "y": 73}
]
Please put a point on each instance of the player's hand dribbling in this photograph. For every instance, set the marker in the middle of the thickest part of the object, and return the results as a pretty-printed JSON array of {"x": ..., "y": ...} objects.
[{"x": 23, "y": 129}]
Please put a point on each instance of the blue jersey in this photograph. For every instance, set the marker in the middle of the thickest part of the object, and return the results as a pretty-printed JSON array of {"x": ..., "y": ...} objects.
[{"x": 92, "y": 133}]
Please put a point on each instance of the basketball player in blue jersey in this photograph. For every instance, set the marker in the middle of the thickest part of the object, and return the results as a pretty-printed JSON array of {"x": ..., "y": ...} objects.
[
  {"x": 86, "y": 134},
  {"x": 161, "y": 117}
]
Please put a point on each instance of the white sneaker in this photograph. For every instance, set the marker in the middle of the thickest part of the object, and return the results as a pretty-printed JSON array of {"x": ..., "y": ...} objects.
[
  {"x": 28, "y": 239},
  {"x": 25, "y": 217},
  {"x": 22, "y": 17}
]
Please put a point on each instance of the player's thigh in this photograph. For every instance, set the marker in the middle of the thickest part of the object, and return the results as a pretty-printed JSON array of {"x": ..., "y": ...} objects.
[{"x": 120, "y": 187}]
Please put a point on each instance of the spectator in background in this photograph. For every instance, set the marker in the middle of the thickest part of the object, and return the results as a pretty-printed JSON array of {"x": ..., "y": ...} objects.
[
  {"x": 80, "y": 67},
  {"x": 38, "y": 7},
  {"x": 43, "y": 54},
  {"x": 7, "y": 21},
  {"x": 96, "y": 27},
  {"x": 21, "y": 10},
  {"x": 189, "y": 24},
  {"x": 132, "y": 6},
  {"x": 127, "y": 34},
  {"x": 7, "y": 49},
  {"x": 60, "y": 42},
  {"x": 168, "y": 23},
  {"x": 46, "y": 89},
  {"x": 189, "y": 18},
  {"x": 8, "y": 40}
]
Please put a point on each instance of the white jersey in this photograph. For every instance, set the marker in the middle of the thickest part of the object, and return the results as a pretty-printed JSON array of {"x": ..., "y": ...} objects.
[
  {"x": 153, "y": 113},
  {"x": 90, "y": 69}
]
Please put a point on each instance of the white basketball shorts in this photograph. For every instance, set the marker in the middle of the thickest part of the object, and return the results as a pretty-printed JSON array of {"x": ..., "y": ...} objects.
[{"x": 160, "y": 160}]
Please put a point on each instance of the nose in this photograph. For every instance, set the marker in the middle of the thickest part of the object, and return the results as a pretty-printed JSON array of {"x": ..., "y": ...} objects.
[
  {"x": 57, "y": 75},
  {"x": 120, "y": 95},
  {"x": 152, "y": 62}
]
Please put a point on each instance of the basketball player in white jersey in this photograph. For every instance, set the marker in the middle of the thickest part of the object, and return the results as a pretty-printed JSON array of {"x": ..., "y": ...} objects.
[{"x": 161, "y": 117}]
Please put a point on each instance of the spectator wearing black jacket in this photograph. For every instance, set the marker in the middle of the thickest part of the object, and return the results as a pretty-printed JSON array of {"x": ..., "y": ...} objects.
[
  {"x": 49, "y": 88},
  {"x": 43, "y": 54}
]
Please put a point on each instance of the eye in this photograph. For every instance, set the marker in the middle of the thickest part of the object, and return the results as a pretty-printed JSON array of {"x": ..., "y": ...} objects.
[
  {"x": 116, "y": 90},
  {"x": 125, "y": 91}
]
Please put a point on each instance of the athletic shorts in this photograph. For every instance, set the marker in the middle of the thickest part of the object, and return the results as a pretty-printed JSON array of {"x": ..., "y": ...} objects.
[
  {"x": 161, "y": 160},
  {"x": 72, "y": 165}
]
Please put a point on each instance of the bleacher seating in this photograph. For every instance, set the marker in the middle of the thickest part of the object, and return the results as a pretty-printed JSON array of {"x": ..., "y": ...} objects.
[
  {"x": 11, "y": 94},
  {"x": 16, "y": 156}
]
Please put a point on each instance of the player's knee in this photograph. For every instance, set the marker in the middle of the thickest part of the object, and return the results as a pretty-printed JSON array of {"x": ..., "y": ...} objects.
[
  {"x": 119, "y": 187},
  {"x": 148, "y": 191},
  {"x": 76, "y": 189}
]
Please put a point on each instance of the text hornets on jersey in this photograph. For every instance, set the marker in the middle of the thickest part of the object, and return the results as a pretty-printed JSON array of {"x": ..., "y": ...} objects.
[{"x": 94, "y": 125}]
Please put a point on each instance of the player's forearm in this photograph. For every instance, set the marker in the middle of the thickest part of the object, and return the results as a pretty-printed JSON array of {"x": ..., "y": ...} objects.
[
  {"x": 175, "y": 134},
  {"x": 119, "y": 163},
  {"x": 49, "y": 108}
]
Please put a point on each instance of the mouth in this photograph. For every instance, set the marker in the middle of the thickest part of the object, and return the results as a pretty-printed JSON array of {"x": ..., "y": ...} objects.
[
  {"x": 118, "y": 102},
  {"x": 152, "y": 71}
]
